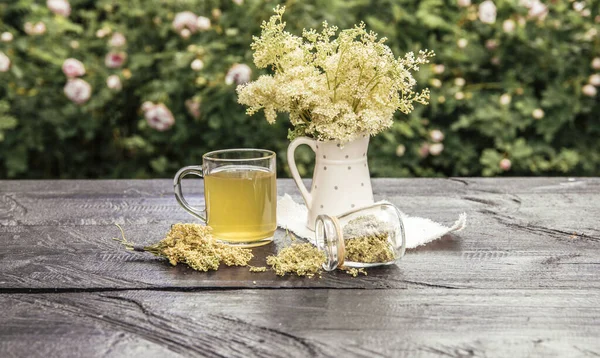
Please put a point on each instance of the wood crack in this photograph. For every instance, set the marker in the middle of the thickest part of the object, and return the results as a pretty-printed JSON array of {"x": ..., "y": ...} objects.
[
  {"x": 587, "y": 352},
  {"x": 130, "y": 300},
  {"x": 12, "y": 205},
  {"x": 311, "y": 350},
  {"x": 462, "y": 181},
  {"x": 60, "y": 290},
  {"x": 555, "y": 259},
  {"x": 480, "y": 201},
  {"x": 427, "y": 284},
  {"x": 560, "y": 234},
  {"x": 123, "y": 321}
]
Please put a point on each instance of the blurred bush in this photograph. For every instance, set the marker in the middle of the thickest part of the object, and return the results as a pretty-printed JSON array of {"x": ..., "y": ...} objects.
[{"x": 513, "y": 85}]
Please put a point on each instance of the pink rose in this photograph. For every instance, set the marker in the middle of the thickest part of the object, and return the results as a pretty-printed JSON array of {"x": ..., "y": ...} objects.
[
  {"x": 37, "y": 29},
  {"x": 197, "y": 64},
  {"x": 238, "y": 74},
  {"x": 594, "y": 80},
  {"x": 78, "y": 91},
  {"x": 424, "y": 150},
  {"x": 487, "y": 12},
  {"x": 589, "y": 90},
  {"x": 59, "y": 7},
  {"x": 185, "y": 20},
  {"x": 6, "y": 37},
  {"x": 436, "y": 149},
  {"x": 117, "y": 40},
  {"x": 4, "y": 62},
  {"x": 505, "y": 99},
  {"x": 28, "y": 27},
  {"x": 159, "y": 117},
  {"x": 193, "y": 107},
  {"x": 537, "y": 10},
  {"x": 203, "y": 23},
  {"x": 185, "y": 33},
  {"x": 436, "y": 135},
  {"x": 505, "y": 164},
  {"x": 538, "y": 113},
  {"x": 491, "y": 44},
  {"x": 400, "y": 150},
  {"x": 146, "y": 106},
  {"x": 115, "y": 59},
  {"x": 114, "y": 83},
  {"x": 73, "y": 68},
  {"x": 508, "y": 26}
]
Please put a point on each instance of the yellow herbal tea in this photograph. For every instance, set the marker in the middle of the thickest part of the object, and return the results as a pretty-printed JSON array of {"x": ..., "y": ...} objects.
[{"x": 241, "y": 203}]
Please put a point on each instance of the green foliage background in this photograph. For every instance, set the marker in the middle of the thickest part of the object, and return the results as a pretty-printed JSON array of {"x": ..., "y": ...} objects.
[{"x": 542, "y": 64}]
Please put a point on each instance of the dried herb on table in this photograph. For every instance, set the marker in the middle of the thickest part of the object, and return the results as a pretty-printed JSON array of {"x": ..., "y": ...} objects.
[
  {"x": 193, "y": 244},
  {"x": 354, "y": 271},
  {"x": 301, "y": 259}
]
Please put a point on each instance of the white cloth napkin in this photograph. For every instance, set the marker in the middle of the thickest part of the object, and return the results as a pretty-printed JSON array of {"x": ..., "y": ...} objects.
[{"x": 419, "y": 231}]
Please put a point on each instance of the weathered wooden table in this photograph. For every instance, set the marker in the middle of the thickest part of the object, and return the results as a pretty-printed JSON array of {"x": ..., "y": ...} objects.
[{"x": 522, "y": 280}]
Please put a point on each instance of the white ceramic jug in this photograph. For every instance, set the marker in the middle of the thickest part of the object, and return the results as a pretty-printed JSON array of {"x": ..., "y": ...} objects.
[{"x": 341, "y": 180}]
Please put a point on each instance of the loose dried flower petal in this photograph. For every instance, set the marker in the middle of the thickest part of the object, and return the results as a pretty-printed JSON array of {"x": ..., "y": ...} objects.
[{"x": 301, "y": 259}]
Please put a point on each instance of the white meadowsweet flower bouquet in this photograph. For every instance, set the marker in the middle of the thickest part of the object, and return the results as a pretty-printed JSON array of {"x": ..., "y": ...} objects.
[{"x": 332, "y": 88}]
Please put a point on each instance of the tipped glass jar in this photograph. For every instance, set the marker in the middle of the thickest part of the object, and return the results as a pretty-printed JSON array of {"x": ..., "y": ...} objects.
[{"x": 362, "y": 238}]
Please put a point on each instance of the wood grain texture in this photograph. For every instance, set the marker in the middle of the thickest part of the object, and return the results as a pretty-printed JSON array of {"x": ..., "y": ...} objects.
[
  {"x": 522, "y": 233},
  {"x": 523, "y": 279},
  {"x": 307, "y": 323}
]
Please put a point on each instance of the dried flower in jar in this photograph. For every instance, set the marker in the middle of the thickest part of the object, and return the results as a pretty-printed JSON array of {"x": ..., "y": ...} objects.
[{"x": 366, "y": 239}]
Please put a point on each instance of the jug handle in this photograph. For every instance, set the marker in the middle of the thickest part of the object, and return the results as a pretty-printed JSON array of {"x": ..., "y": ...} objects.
[{"x": 294, "y": 170}]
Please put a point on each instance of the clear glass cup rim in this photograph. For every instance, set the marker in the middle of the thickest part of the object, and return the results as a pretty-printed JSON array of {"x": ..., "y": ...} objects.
[{"x": 262, "y": 154}]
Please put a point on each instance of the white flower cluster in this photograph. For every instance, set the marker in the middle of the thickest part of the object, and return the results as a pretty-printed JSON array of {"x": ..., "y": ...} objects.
[{"x": 335, "y": 88}]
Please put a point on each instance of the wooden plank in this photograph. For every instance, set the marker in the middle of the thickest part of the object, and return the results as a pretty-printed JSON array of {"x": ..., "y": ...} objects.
[
  {"x": 522, "y": 233},
  {"x": 51, "y": 258},
  {"x": 292, "y": 323}
]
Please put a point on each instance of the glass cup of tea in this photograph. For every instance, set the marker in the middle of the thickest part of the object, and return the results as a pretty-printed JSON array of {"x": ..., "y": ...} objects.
[{"x": 240, "y": 193}]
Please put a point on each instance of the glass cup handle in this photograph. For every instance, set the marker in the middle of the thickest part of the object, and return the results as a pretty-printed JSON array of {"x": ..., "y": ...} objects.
[{"x": 195, "y": 170}]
